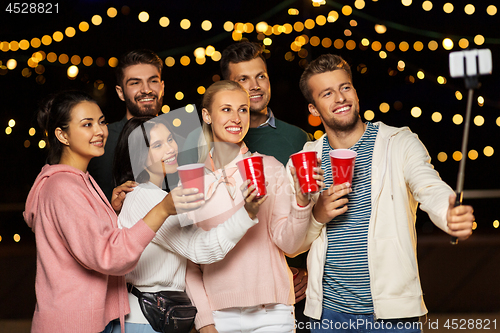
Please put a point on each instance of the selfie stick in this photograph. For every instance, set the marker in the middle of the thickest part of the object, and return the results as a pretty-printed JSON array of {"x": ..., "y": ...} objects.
[{"x": 469, "y": 65}]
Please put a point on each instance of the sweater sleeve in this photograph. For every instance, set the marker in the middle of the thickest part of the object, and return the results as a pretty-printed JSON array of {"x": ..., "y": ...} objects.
[
  {"x": 196, "y": 292},
  {"x": 424, "y": 182},
  {"x": 200, "y": 246},
  {"x": 289, "y": 222},
  {"x": 87, "y": 230}
]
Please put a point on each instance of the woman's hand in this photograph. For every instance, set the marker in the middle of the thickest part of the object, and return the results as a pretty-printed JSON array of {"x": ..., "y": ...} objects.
[
  {"x": 303, "y": 199},
  {"x": 119, "y": 193},
  {"x": 181, "y": 200},
  {"x": 250, "y": 193},
  {"x": 208, "y": 329}
]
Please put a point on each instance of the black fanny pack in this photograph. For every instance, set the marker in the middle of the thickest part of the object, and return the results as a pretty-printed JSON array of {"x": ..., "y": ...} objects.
[{"x": 166, "y": 311}]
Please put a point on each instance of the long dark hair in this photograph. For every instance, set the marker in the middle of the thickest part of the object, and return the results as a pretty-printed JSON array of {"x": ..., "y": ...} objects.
[
  {"x": 132, "y": 151},
  {"x": 54, "y": 112}
]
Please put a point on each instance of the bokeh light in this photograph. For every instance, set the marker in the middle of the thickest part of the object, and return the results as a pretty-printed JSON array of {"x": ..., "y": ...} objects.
[
  {"x": 70, "y": 32},
  {"x": 416, "y": 112},
  {"x": 448, "y": 8},
  {"x": 436, "y": 117},
  {"x": 96, "y": 20},
  {"x": 369, "y": 115},
  {"x": 185, "y": 24},
  {"x": 469, "y": 9},
  {"x": 143, "y": 17},
  {"x": 164, "y": 22},
  {"x": 457, "y": 119},
  {"x": 112, "y": 12},
  {"x": 72, "y": 71},
  {"x": 488, "y": 151},
  {"x": 206, "y": 25},
  {"x": 442, "y": 157}
]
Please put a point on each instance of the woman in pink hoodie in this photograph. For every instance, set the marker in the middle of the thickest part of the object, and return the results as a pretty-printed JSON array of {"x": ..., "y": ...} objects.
[{"x": 82, "y": 255}]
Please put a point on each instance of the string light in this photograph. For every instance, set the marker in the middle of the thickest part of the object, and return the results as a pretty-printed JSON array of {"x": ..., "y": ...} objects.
[
  {"x": 112, "y": 12},
  {"x": 448, "y": 8},
  {"x": 185, "y": 24},
  {"x": 96, "y": 20},
  {"x": 427, "y": 6},
  {"x": 369, "y": 115},
  {"x": 261, "y": 28},
  {"x": 144, "y": 17},
  {"x": 164, "y": 22}
]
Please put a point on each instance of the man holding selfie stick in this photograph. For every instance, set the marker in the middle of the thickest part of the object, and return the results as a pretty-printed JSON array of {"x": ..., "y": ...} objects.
[{"x": 362, "y": 260}]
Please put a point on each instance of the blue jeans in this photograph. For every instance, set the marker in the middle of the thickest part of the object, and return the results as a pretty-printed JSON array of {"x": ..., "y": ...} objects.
[
  {"x": 109, "y": 327},
  {"x": 332, "y": 321},
  {"x": 132, "y": 328}
]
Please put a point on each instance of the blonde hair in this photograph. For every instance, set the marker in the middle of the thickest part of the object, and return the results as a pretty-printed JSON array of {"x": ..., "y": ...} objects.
[{"x": 205, "y": 141}]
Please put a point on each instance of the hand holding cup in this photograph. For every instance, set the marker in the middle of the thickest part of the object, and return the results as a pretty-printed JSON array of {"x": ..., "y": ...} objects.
[
  {"x": 307, "y": 175},
  {"x": 252, "y": 168}
]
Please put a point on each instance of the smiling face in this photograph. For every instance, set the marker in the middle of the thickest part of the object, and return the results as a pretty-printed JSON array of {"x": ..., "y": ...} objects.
[
  {"x": 162, "y": 156},
  {"x": 252, "y": 75},
  {"x": 228, "y": 116},
  {"x": 335, "y": 100},
  {"x": 142, "y": 90},
  {"x": 85, "y": 136}
]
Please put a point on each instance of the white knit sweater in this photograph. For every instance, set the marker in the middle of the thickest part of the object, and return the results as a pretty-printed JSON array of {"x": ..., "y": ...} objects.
[{"x": 162, "y": 265}]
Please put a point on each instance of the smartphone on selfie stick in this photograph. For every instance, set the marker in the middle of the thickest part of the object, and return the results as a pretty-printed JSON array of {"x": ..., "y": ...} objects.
[{"x": 469, "y": 64}]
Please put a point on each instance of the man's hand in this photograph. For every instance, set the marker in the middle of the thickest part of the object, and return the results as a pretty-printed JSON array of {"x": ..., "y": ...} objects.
[
  {"x": 331, "y": 203},
  {"x": 460, "y": 219},
  {"x": 300, "y": 285},
  {"x": 303, "y": 199},
  {"x": 119, "y": 193}
]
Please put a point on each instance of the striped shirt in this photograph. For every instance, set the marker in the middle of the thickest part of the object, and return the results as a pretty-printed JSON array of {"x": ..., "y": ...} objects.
[{"x": 346, "y": 279}]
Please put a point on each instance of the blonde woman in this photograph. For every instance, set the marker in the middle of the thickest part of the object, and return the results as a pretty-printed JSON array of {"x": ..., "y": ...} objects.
[{"x": 251, "y": 289}]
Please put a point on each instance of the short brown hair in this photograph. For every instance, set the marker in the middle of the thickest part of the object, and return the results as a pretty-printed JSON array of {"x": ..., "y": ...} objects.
[
  {"x": 239, "y": 52},
  {"x": 324, "y": 63},
  {"x": 136, "y": 57}
]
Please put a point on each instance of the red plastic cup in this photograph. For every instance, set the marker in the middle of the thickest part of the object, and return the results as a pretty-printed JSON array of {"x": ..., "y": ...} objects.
[
  {"x": 192, "y": 176},
  {"x": 304, "y": 163},
  {"x": 253, "y": 168},
  {"x": 295, "y": 272},
  {"x": 342, "y": 161}
]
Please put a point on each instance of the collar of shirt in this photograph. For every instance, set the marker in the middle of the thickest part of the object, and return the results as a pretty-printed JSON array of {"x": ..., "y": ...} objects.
[{"x": 271, "y": 121}]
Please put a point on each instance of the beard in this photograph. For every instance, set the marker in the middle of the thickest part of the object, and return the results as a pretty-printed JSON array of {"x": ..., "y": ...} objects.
[
  {"x": 346, "y": 125},
  {"x": 150, "y": 110}
]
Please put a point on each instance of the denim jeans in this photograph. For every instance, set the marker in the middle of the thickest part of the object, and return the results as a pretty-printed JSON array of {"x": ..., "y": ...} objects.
[
  {"x": 133, "y": 328},
  {"x": 332, "y": 321},
  {"x": 109, "y": 327}
]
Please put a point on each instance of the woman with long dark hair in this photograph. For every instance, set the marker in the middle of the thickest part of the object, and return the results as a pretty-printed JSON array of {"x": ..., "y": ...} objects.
[
  {"x": 147, "y": 152},
  {"x": 82, "y": 255}
]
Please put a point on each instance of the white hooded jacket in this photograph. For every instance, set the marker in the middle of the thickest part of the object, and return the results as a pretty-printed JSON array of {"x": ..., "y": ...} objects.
[{"x": 402, "y": 177}]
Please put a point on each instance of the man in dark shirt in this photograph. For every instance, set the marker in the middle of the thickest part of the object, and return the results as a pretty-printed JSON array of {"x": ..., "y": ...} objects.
[
  {"x": 139, "y": 85},
  {"x": 244, "y": 63}
]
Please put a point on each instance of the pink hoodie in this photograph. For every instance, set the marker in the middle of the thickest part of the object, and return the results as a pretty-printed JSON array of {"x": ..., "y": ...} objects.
[{"x": 81, "y": 254}]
